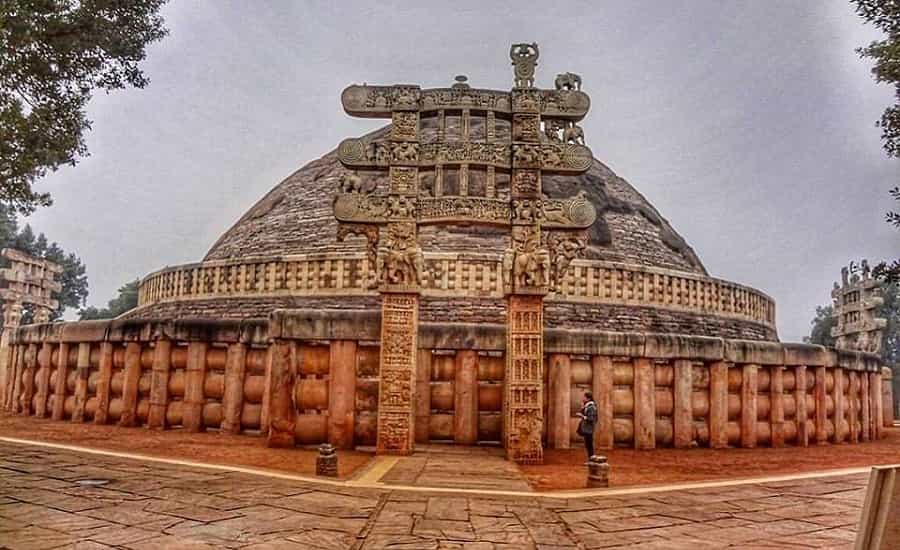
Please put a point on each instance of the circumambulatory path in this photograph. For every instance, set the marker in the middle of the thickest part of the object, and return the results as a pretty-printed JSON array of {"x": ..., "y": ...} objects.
[{"x": 53, "y": 498}]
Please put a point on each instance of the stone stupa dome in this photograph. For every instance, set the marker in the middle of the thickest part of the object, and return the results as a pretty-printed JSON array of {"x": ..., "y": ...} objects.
[{"x": 646, "y": 277}]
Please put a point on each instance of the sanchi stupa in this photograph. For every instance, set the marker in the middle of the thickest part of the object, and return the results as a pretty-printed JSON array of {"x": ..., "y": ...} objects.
[{"x": 462, "y": 274}]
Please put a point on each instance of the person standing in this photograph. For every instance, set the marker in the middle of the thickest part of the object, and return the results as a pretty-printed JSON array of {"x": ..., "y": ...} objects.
[{"x": 588, "y": 416}]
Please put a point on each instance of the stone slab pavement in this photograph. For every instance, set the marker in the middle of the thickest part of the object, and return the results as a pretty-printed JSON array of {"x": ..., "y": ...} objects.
[{"x": 47, "y": 501}]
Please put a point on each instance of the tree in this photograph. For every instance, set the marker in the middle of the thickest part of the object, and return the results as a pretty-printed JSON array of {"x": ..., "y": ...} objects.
[
  {"x": 890, "y": 272},
  {"x": 822, "y": 324},
  {"x": 53, "y": 55},
  {"x": 885, "y": 15},
  {"x": 126, "y": 300},
  {"x": 820, "y": 332}
]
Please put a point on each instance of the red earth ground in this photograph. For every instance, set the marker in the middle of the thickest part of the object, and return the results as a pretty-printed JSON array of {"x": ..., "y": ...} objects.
[
  {"x": 211, "y": 447},
  {"x": 565, "y": 469},
  {"x": 562, "y": 469}
]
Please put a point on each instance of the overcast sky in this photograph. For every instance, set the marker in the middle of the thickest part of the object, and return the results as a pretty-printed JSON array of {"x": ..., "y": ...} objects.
[{"x": 749, "y": 125}]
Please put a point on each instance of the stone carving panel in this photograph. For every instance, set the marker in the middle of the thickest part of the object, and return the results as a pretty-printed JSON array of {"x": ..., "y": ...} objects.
[
  {"x": 400, "y": 260},
  {"x": 463, "y": 209},
  {"x": 399, "y": 330},
  {"x": 379, "y": 101},
  {"x": 523, "y": 417},
  {"x": 526, "y": 264},
  {"x": 404, "y": 180},
  {"x": 563, "y": 247},
  {"x": 370, "y": 232},
  {"x": 405, "y": 126}
]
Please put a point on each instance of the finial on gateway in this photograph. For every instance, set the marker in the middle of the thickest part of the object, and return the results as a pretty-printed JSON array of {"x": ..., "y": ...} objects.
[{"x": 524, "y": 59}]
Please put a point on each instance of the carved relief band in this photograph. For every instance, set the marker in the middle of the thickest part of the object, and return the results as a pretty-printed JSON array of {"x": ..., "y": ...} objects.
[
  {"x": 379, "y": 102},
  {"x": 572, "y": 213},
  {"x": 550, "y": 157},
  {"x": 396, "y": 413}
]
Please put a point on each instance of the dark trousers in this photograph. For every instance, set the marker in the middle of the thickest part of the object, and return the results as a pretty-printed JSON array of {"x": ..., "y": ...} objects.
[{"x": 589, "y": 445}]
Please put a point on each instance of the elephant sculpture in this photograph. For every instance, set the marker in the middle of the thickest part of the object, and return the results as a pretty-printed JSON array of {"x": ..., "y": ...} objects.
[{"x": 568, "y": 81}]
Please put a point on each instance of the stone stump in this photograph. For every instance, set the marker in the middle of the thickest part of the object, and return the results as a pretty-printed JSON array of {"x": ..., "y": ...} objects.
[
  {"x": 327, "y": 461},
  {"x": 598, "y": 472}
]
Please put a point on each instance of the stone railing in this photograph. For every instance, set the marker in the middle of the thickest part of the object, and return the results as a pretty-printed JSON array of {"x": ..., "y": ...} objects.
[
  {"x": 652, "y": 390},
  {"x": 451, "y": 274}
]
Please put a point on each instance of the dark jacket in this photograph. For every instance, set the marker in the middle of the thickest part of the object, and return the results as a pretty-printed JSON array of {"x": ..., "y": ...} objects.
[{"x": 589, "y": 410}]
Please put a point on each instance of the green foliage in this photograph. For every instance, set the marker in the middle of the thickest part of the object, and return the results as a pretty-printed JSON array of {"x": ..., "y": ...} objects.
[
  {"x": 890, "y": 271},
  {"x": 822, "y": 324},
  {"x": 885, "y": 15},
  {"x": 53, "y": 54},
  {"x": 74, "y": 276},
  {"x": 126, "y": 300}
]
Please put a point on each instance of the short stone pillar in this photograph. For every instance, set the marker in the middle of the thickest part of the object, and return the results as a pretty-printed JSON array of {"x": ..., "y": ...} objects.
[
  {"x": 327, "y": 461},
  {"x": 598, "y": 472}
]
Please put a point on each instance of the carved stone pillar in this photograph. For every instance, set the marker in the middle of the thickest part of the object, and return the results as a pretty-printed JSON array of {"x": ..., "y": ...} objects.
[
  {"x": 683, "y": 414},
  {"x": 465, "y": 406},
  {"x": 82, "y": 375},
  {"x": 341, "y": 393},
  {"x": 602, "y": 384},
  {"x": 718, "y": 405},
  {"x": 524, "y": 415},
  {"x": 559, "y": 407},
  {"x": 802, "y": 416},
  {"x": 399, "y": 342},
  {"x": 838, "y": 400},
  {"x": 12, "y": 313},
  {"x": 749, "y": 391},
  {"x": 159, "y": 383},
  {"x": 644, "y": 404},
  {"x": 776, "y": 407},
  {"x": 821, "y": 413}
]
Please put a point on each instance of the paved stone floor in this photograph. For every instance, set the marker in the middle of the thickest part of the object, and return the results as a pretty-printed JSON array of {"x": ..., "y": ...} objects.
[
  {"x": 457, "y": 467},
  {"x": 44, "y": 503}
]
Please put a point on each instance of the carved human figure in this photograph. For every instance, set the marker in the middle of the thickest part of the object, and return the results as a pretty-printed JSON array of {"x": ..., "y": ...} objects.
[
  {"x": 573, "y": 134},
  {"x": 382, "y": 154},
  {"x": 12, "y": 314},
  {"x": 552, "y": 128},
  {"x": 370, "y": 232},
  {"x": 524, "y": 59},
  {"x": 568, "y": 81},
  {"x": 563, "y": 249},
  {"x": 400, "y": 261},
  {"x": 41, "y": 315},
  {"x": 526, "y": 155}
]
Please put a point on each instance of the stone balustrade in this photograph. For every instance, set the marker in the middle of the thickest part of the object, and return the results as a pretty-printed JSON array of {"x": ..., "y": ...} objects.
[
  {"x": 652, "y": 390},
  {"x": 455, "y": 275}
]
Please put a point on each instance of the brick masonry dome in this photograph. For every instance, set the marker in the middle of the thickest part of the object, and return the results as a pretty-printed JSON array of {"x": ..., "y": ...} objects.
[
  {"x": 635, "y": 274},
  {"x": 296, "y": 217}
]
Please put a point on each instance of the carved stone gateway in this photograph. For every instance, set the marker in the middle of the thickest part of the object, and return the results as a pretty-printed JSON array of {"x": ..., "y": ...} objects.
[
  {"x": 27, "y": 280},
  {"x": 856, "y": 302},
  {"x": 546, "y": 233}
]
